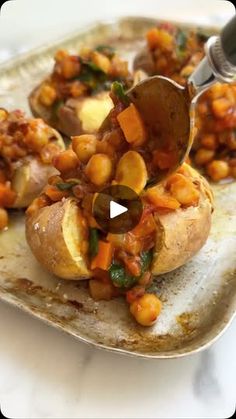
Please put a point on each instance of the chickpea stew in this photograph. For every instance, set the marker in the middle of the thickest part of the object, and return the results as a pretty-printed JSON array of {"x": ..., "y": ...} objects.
[
  {"x": 78, "y": 76},
  {"x": 21, "y": 138},
  {"x": 175, "y": 53}
]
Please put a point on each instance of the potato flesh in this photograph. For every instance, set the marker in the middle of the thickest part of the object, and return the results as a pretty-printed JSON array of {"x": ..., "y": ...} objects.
[
  {"x": 56, "y": 235},
  {"x": 93, "y": 111}
]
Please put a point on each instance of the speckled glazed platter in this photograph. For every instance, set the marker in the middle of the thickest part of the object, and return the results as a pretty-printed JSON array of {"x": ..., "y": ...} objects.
[{"x": 199, "y": 299}]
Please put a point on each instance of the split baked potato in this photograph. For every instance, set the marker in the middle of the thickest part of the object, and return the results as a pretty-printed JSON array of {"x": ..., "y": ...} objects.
[
  {"x": 75, "y": 99},
  {"x": 57, "y": 235},
  {"x": 27, "y": 147},
  {"x": 63, "y": 231}
]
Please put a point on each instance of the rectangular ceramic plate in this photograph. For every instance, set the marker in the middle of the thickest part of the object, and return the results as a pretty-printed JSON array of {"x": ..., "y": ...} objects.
[{"x": 199, "y": 299}]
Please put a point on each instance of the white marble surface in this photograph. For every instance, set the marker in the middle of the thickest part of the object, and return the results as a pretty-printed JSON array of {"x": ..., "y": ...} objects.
[{"x": 46, "y": 374}]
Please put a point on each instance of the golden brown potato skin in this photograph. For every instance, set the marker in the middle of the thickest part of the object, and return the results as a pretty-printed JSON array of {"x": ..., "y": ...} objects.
[
  {"x": 180, "y": 235},
  {"x": 144, "y": 61},
  {"x": 50, "y": 232},
  {"x": 29, "y": 180},
  {"x": 31, "y": 175},
  {"x": 183, "y": 232}
]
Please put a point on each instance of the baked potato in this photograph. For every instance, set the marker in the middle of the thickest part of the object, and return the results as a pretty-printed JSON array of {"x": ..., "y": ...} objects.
[
  {"x": 63, "y": 231},
  {"x": 57, "y": 235},
  {"x": 75, "y": 97},
  {"x": 27, "y": 147}
]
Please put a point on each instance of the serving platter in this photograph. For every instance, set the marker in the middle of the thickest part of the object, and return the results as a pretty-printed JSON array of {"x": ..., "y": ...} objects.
[{"x": 199, "y": 299}]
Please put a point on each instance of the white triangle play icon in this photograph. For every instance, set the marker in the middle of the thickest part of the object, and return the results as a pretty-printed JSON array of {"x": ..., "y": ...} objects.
[{"x": 116, "y": 209}]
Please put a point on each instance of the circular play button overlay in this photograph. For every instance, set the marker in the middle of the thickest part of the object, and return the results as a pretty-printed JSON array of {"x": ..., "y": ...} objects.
[{"x": 117, "y": 209}]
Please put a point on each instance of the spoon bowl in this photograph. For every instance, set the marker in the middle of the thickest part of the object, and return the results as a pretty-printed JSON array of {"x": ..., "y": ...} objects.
[{"x": 165, "y": 109}]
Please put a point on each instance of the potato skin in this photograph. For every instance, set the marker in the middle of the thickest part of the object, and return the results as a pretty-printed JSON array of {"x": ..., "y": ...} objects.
[
  {"x": 29, "y": 180},
  {"x": 182, "y": 233},
  {"x": 31, "y": 175},
  {"x": 144, "y": 61},
  {"x": 55, "y": 235}
]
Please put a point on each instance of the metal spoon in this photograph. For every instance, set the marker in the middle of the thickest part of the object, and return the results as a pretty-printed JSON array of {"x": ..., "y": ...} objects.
[{"x": 167, "y": 108}]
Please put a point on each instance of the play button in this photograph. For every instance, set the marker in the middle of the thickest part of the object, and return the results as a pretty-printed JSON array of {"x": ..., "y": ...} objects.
[{"x": 117, "y": 209}]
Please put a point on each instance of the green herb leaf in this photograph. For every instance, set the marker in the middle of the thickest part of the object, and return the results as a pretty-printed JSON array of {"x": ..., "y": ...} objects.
[
  {"x": 94, "y": 67},
  {"x": 118, "y": 89},
  {"x": 120, "y": 278},
  {"x": 67, "y": 185},
  {"x": 151, "y": 182},
  {"x": 56, "y": 107},
  {"x": 181, "y": 41},
  {"x": 146, "y": 260},
  {"x": 93, "y": 242},
  {"x": 202, "y": 36},
  {"x": 106, "y": 50}
]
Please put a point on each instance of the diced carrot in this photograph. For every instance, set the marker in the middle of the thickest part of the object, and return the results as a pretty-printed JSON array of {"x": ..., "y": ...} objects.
[
  {"x": 153, "y": 38},
  {"x": 161, "y": 199},
  {"x": 183, "y": 189},
  {"x": 145, "y": 227},
  {"x": 54, "y": 193},
  {"x": 134, "y": 293},
  {"x": 159, "y": 38},
  {"x": 104, "y": 256},
  {"x": 101, "y": 291},
  {"x": 132, "y": 126},
  {"x": 132, "y": 264},
  {"x": 7, "y": 196}
]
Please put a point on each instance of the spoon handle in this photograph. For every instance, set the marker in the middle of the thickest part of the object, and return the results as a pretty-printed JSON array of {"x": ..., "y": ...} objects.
[
  {"x": 228, "y": 41},
  {"x": 219, "y": 64}
]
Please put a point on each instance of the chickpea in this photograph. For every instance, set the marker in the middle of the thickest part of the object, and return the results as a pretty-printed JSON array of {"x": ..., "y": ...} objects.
[
  {"x": 77, "y": 89},
  {"x": 146, "y": 309},
  {"x": 3, "y": 114},
  {"x": 66, "y": 161},
  {"x": 220, "y": 107},
  {"x": 69, "y": 67},
  {"x": 60, "y": 55},
  {"x": 217, "y": 170},
  {"x": 209, "y": 141},
  {"x": 47, "y": 95},
  {"x": 216, "y": 91},
  {"x": 99, "y": 169},
  {"x": 187, "y": 71},
  {"x": 231, "y": 140},
  {"x": 38, "y": 134},
  {"x": 84, "y": 147},
  {"x": 203, "y": 156},
  {"x": 184, "y": 190},
  {"x": 3, "y": 218}
]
